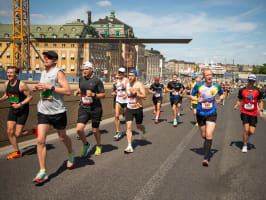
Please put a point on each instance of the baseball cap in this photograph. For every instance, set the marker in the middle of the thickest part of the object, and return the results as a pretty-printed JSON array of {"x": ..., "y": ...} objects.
[
  {"x": 51, "y": 54},
  {"x": 252, "y": 77},
  {"x": 122, "y": 69},
  {"x": 134, "y": 72},
  {"x": 87, "y": 64},
  {"x": 156, "y": 78}
]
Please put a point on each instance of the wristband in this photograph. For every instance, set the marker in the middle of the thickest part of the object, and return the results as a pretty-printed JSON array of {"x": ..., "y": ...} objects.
[
  {"x": 20, "y": 104},
  {"x": 52, "y": 88},
  {"x": 261, "y": 110}
]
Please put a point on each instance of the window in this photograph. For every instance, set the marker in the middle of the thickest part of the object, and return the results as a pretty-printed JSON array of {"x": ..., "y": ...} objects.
[
  {"x": 8, "y": 54},
  {"x": 36, "y": 56},
  {"x": 81, "y": 55},
  {"x": 37, "y": 44},
  {"x": 54, "y": 36},
  {"x": 63, "y": 56},
  {"x": 1, "y": 65},
  {"x": 0, "y": 44},
  {"x": 66, "y": 36},
  {"x": 63, "y": 45},
  {"x": 42, "y": 36},
  {"x": 105, "y": 32},
  {"x": 77, "y": 36},
  {"x": 46, "y": 44},
  {"x": 50, "y": 29},
  {"x": 37, "y": 66},
  {"x": 54, "y": 45},
  {"x": 72, "y": 45},
  {"x": 6, "y": 35},
  {"x": 38, "y": 28},
  {"x": 62, "y": 29},
  {"x": 117, "y": 33},
  {"x": 74, "y": 29},
  {"x": 72, "y": 56},
  {"x": 72, "y": 68},
  {"x": 63, "y": 67}
]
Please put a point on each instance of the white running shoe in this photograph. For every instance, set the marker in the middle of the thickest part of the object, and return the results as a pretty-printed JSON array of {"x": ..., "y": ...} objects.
[
  {"x": 245, "y": 149},
  {"x": 129, "y": 149}
]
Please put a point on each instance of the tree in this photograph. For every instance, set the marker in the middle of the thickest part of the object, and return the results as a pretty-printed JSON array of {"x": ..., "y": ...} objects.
[{"x": 262, "y": 69}]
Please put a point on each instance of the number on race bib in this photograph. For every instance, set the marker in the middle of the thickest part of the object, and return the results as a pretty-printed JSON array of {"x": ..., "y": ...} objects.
[
  {"x": 87, "y": 99},
  {"x": 175, "y": 93},
  {"x": 157, "y": 94},
  {"x": 249, "y": 106},
  {"x": 206, "y": 105}
]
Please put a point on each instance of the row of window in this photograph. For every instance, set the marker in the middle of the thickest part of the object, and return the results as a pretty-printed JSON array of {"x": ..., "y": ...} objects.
[
  {"x": 63, "y": 67},
  {"x": 51, "y": 28},
  {"x": 55, "y": 36},
  {"x": 106, "y": 32}
]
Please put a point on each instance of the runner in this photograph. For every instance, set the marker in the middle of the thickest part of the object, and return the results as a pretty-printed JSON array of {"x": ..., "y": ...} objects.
[
  {"x": 193, "y": 83},
  {"x": 206, "y": 110},
  {"x": 176, "y": 90},
  {"x": 121, "y": 100},
  {"x": 250, "y": 96},
  {"x": 135, "y": 93},
  {"x": 19, "y": 97},
  {"x": 51, "y": 111},
  {"x": 158, "y": 91},
  {"x": 92, "y": 90},
  {"x": 194, "y": 103},
  {"x": 114, "y": 90}
]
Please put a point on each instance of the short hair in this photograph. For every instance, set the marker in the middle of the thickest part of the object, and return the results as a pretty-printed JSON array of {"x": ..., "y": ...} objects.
[
  {"x": 205, "y": 70},
  {"x": 14, "y": 67},
  {"x": 174, "y": 75}
]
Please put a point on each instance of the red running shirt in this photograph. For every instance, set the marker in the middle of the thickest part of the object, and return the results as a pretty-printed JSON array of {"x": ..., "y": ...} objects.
[{"x": 250, "y": 100}]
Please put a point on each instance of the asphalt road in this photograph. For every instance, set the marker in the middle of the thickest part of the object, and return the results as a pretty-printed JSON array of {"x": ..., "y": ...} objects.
[{"x": 166, "y": 166}]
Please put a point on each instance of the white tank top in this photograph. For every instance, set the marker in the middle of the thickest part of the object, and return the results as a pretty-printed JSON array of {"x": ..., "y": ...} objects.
[
  {"x": 120, "y": 91},
  {"x": 131, "y": 101}
]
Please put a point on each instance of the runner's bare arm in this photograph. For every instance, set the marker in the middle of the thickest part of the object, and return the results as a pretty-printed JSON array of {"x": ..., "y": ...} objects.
[
  {"x": 23, "y": 87},
  {"x": 238, "y": 102},
  {"x": 4, "y": 97},
  {"x": 64, "y": 85},
  {"x": 77, "y": 92},
  {"x": 261, "y": 107},
  {"x": 140, "y": 90}
]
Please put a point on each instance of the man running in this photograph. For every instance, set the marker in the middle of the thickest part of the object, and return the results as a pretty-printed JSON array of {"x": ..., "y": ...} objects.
[
  {"x": 158, "y": 91},
  {"x": 19, "y": 97},
  {"x": 135, "y": 92},
  {"x": 92, "y": 90},
  {"x": 51, "y": 111},
  {"x": 206, "y": 110},
  {"x": 194, "y": 103},
  {"x": 121, "y": 100},
  {"x": 250, "y": 96},
  {"x": 176, "y": 90}
]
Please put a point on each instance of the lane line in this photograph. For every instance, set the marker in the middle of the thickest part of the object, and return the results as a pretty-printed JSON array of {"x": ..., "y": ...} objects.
[{"x": 154, "y": 182}]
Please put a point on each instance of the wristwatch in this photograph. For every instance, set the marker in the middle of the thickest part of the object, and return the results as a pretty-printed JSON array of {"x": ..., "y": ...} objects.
[
  {"x": 52, "y": 88},
  {"x": 261, "y": 110}
]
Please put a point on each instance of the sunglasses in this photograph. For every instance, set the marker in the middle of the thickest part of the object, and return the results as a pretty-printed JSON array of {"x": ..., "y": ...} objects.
[
  {"x": 116, "y": 77},
  {"x": 48, "y": 57}
]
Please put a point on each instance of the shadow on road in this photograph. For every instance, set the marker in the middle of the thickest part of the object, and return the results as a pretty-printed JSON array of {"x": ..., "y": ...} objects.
[
  {"x": 140, "y": 142},
  {"x": 239, "y": 144},
  {"x": 200, "y": 151},
  {"x": 104, "y": 131},
  {"x": 30, "y": 150}
]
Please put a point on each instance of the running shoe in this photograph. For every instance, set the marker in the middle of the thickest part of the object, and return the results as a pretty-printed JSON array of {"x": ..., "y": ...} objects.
[
  {"x": 174, "y": 122},
  {"x": 16, "y": 154},
  {"x": 177, "y": 119},
  {"x": 40, "y": 177},
  {"x": 156, "y": 121},
  {"x": 197, "y": 124},
  {"x": 35, "y": 130},
  {"x": 70, "y": 160},
  {"x": 117, "y": 135},
  {"x": 205, "y": 163},
  {"x": 129, "y": 149},
  {"x": 145, "y": 135},
  {"x": 98, "y": 150},
  {"x": 245, "y": 149},
  {"x": 85, "y": 150}
]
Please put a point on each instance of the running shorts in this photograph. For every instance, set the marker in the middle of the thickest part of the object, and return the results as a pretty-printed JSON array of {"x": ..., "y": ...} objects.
[
  {"x": 157, "y": 100},
  {"x": 91, "y": 113},
  {"x": 202, "y": 119},
  {"x": 19, "y": 116},
  {"x": 58, "y": 121},
  {"x": 176, "y": 101},
  {"x": 249, "y": 119},
  {"x": 123, "y": 105},
  {"x": 135, "y": 113}
]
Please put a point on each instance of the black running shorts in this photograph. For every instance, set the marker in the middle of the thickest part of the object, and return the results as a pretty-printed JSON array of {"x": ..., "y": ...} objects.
[
  {"x": 19, "y": 116},
  {"x": 176, "y": 101},
  {"x": 157, "y": 100},
  {"x": 58, "y": 121},
  {"x": 91, "y": 113},
  {"x": 249, "y": 119},
  {"x": 202, "y": 119},
  {"x": 135, "y": 113}
]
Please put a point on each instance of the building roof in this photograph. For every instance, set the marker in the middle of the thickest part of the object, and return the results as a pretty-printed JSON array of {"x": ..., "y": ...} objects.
[{"x": 76, "y": 29}]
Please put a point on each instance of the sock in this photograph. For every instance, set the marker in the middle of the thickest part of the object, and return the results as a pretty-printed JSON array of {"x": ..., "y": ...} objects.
[
  {"x": 157, "y": 117},
  {"x": 42, "y": 170},
  {"x": 70, "y": 154},
  {"x": 207, "y": 148}
]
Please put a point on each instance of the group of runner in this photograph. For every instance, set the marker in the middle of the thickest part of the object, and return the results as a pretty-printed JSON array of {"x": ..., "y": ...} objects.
[{"x": 129, "y": 94}]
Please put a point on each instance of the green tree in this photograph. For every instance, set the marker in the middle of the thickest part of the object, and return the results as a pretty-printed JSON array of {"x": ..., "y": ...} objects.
[
  {"x": 256, "y": 70},
  {"x": 262, "y": 69}
]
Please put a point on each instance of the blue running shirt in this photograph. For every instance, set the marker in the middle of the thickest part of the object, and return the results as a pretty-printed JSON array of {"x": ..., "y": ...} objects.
[{"x": 207, "y": 93}]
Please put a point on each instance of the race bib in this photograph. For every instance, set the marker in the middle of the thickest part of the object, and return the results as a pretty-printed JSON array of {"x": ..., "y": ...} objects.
[
  {"x": 249, "y": 106},
  {"x": 207, "y": 105},
  {"x": 86, "y": 99},
  {"x": 157, "y": 95},
  {"x": 120, "y": 92},
  {"x": 175, "y": 93},
  {"x": 13, "y": 98},
  {"x": 46, "y": 95}
]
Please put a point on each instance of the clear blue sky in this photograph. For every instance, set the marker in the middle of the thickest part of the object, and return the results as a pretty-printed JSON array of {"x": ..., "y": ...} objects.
[{"x": 222, "y": 30}]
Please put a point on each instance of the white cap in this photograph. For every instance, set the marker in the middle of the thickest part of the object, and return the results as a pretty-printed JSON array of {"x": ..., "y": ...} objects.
[
  {"x": 87, "y": 64},
  {"x": 252, "y": 77},
  {"x": 122, "y": 69}
]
